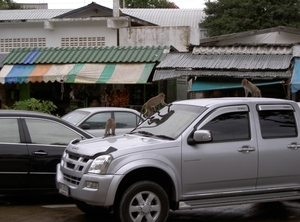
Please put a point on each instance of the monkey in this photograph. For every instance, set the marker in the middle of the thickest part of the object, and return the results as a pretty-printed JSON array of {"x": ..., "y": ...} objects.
[
  {"x": 153, "y": 102},
  {"x": 110, "y": 126},
  {"x": 163, "y": 118},
  {"x": 250, "y": 87}
]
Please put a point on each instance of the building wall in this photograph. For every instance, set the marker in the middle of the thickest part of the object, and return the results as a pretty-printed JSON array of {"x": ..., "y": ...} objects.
[
  {"x": 152, "y": 35},
  {"x": 76, "y": 32}
]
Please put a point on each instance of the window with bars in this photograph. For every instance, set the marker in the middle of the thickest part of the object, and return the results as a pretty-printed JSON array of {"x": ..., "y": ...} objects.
[
  {"x": 7, "y": 44},
  {"x": 82, "y": 41}
]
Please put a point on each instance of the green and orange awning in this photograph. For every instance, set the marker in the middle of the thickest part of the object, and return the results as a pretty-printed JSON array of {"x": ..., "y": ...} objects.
[{"x": 94, "y": 73}]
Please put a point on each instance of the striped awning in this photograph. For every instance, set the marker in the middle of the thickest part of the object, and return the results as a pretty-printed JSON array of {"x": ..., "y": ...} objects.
[{"x": 105, "y": 73}]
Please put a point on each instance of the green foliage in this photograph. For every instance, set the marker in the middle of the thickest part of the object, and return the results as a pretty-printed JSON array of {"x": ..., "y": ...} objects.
[
  {"x": 232, "y": 16},
  {"x": 147, "y": 4},
  {"x": 44, "y": 106},
  {"x": 8, "y": 4}
]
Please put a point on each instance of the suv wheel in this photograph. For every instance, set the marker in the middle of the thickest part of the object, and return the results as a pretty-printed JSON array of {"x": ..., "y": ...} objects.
[{"x": 143, "y": 201}]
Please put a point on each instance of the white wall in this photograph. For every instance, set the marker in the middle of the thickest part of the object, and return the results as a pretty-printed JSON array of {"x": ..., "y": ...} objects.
[
  {"x": 154, "y": 36},
  {"x": 61, "y": 30}
]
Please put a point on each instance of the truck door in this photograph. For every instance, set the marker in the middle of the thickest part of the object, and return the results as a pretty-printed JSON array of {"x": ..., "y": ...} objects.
[
  {"x": 279, "y": 158},
  {"x": 227, "y": 163}
]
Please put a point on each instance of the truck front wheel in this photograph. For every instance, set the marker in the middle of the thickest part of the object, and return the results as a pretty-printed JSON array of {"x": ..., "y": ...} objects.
[{"x": 143, "y": 201}]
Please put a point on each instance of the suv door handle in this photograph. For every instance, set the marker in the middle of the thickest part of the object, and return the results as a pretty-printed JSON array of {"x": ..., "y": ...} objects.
[
  {"x": 293, "y": 146},
  {"x": 246, "y": 149}
]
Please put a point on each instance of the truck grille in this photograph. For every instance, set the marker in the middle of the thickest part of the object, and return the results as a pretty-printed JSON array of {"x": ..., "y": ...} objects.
[
  {"x": 77, "y": 157},
  {"x": 75, "y": 164},
  {"x": 71, "y": 179}
]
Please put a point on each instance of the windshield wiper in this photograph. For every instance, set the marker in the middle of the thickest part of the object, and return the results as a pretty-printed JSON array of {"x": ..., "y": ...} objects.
[
  {"x": 164, "y": 137},
  {"x": 145, "y": 133}
]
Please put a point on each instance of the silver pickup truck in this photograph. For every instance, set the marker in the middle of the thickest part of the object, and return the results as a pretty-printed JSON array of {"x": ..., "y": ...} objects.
[{"x": 190, "y": 154}]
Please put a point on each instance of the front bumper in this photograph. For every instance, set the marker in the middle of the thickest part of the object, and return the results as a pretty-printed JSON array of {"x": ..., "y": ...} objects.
[{"x": 103, "y": 195}]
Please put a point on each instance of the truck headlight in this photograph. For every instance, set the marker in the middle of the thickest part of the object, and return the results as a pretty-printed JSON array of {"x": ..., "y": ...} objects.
[{"x": 100, "y": 164}]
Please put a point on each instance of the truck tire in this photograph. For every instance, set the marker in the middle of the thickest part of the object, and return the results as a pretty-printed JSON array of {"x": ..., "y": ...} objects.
[
  {"x": 143, "y": 201},
  {"x": 90, "y": 209}
]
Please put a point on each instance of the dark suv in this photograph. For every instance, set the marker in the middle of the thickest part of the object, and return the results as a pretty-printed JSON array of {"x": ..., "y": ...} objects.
[{"x": 31, "y": 145}]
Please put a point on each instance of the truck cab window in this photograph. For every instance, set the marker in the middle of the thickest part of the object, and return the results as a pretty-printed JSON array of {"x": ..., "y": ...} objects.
[
  {"x": 277, "y": 124},
  {"x": 229, "y": 127}
]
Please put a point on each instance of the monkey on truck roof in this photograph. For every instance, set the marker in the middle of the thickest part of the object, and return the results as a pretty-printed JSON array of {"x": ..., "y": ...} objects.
[{"x": 250, "y": 87}]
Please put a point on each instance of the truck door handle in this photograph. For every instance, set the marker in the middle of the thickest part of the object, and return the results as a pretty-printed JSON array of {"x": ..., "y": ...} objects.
[
  {"x": 293, "y": 146},
  {"x": 246, "y": 149}
]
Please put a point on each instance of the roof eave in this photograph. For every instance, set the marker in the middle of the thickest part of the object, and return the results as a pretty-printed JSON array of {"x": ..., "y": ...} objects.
[{"x": 216, "y": 39}]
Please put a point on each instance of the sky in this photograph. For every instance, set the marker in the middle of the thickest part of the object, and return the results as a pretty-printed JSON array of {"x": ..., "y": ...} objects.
[{"x": 73, "y": 4}]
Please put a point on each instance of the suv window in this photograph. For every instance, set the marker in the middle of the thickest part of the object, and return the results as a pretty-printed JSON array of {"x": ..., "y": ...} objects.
[
  {"x": 9, "y": 131},
  {"x": 229, "y": 126},
  {"x": 49, "y": 132},
  {"x": 277, "y": 124},
  {"x": 125, "y": 120}
]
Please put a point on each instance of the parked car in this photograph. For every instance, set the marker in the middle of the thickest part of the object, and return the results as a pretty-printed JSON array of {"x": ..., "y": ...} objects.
[
  {"x": 31, "y": 145},
  {"x": 93, "y": 119}
]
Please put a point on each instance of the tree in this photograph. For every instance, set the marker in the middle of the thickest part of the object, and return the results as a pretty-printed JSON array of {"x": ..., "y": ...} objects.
[
  {"x": 232, "y": 16},
  {"x": 8, "y": 4},
  {"x": 147, "y": 4},
  {"x": 44, "y": 106}
]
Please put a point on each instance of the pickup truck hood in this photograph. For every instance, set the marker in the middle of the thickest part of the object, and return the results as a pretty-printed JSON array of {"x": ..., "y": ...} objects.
[{"x": 126, "y": 143}]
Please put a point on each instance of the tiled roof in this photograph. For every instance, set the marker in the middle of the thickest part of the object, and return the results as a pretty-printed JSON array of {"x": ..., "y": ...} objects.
[
  {"x": 168, "y": 17},
  {"x": 31, "y": 14},
  {"x": 86, "y": 55}
]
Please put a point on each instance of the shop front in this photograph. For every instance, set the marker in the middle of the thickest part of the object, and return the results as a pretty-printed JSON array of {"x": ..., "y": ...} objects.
[{"x": 120, "y": 76}]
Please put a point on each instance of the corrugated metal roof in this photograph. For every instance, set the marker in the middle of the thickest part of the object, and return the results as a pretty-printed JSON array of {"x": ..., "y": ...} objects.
[
  {"x": 168, "y": 17},
  {"x": 244, "y": 49},
  {"x": 235, "y": 61},
  {"x": 10, "y": 15},
  {"x": 162, "y": 17},
  {"x": 274, "y": 30},
  {"x": 34, "y": 5},
  {"x": 93, "y": 9},
  {"x": 170, "y": 74},
  {"x": 86, "y": 55}
]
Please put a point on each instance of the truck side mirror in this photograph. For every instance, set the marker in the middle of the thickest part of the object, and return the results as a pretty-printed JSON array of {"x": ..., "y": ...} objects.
[{"x": 199, "y": 136}]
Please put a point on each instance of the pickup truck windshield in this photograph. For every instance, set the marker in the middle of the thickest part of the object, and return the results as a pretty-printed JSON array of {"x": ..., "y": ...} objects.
[{"x": 170, "y": 121}]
